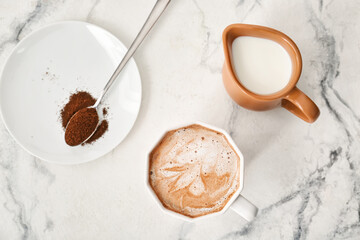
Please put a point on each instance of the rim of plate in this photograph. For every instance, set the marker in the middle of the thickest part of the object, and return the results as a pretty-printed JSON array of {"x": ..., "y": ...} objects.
[{"x": 5, "y": 66}]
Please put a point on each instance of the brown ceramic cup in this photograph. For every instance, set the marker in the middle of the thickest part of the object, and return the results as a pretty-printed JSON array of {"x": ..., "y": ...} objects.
[{"x": 290, "y": 97}]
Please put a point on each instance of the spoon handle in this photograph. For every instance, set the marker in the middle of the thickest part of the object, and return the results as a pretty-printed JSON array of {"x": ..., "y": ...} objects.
[{"x": 156, "y": 12}]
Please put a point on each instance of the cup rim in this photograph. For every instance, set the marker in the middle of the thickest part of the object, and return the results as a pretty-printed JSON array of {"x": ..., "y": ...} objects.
[
  {"x": 233, "y": 197},
  {"x": 270, "y": 34}
]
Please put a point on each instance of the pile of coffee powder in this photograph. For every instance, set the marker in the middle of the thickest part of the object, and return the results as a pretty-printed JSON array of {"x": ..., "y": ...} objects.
[{"x": 78, "y": 101}]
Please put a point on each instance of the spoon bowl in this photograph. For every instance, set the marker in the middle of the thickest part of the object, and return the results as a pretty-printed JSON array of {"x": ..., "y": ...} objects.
[{"x": 82, "y": 126}]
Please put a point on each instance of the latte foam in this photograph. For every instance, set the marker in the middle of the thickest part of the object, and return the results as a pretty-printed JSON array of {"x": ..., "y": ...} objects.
[{"x": 194, "y": 171}]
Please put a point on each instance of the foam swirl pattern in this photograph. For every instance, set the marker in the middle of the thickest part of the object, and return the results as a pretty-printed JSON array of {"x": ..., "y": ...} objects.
[{"x": 194, "y": 171}]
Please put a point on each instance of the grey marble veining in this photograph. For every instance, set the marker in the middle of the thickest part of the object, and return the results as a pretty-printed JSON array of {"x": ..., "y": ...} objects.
[{"x": 304, "y": 178}]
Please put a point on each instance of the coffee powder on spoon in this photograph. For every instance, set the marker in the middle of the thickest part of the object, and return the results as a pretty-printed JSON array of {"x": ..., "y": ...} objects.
[
  {"x": 81, "y": 126},
  {"x": 78, "y": 101}
]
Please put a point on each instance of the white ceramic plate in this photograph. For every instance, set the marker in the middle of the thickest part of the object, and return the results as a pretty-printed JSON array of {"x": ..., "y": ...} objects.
[{"x": 49, "y": 65}]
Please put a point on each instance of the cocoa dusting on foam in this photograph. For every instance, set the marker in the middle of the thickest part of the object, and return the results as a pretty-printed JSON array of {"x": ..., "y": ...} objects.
[{"x": 194, "y": 171}]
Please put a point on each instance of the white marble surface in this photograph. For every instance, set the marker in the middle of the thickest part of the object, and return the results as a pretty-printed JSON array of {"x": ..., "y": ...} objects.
[{"x": 304, "y": 178}]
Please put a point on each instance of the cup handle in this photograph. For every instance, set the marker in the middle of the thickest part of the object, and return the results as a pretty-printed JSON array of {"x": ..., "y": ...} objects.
[
  {"x": 244, "y": 208},
  {"x": 301, "y": 105}
]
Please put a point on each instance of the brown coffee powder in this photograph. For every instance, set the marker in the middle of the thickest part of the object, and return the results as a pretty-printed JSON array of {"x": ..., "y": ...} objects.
[
  {"x": 78, "y": 101},
  {"x": 102, "y": 128},
  {"x": 81, "y": 126},
  {"x": 105, "y": 112}
]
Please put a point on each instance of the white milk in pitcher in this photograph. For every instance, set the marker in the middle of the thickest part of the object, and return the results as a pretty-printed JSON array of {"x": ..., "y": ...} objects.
[{"x": 262, "y": 66}]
